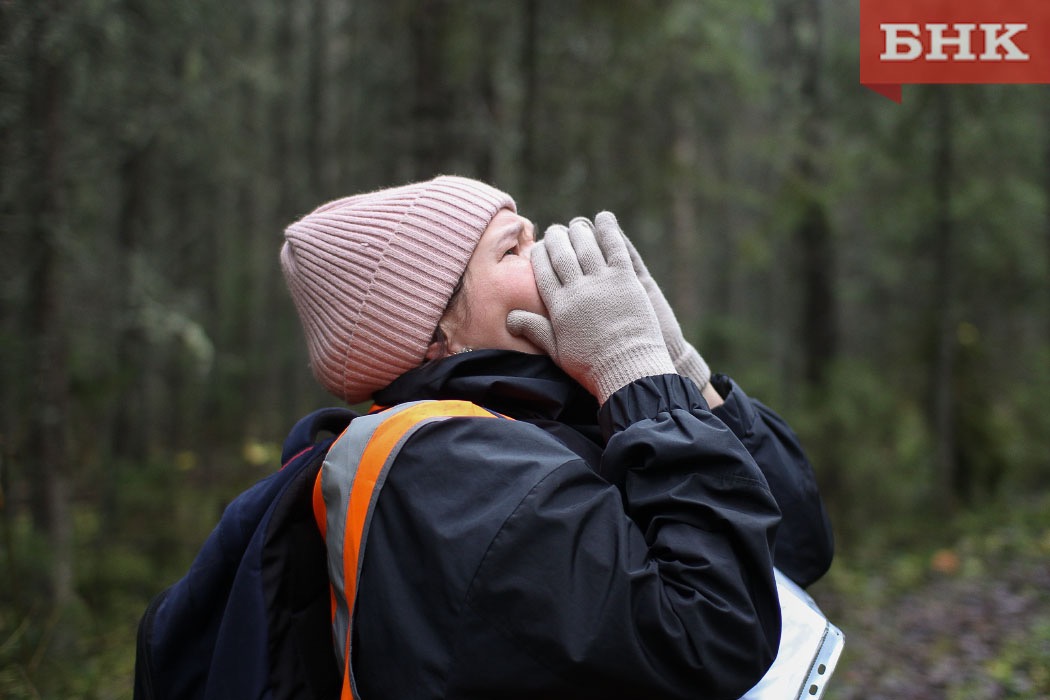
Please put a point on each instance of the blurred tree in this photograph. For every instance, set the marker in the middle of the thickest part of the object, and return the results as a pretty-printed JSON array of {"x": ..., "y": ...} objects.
[
  {"x": 804, "y": 316},
  {"x": 1046, "y": 209},
  {"x": 530, "y": 100},
  {"x": 804, "y": 25},
  {"x": 943, "y": 232},
  {"x": 432, "y": 107},
  {"x": 130, "y": 350},
  {"x": 52, "y": 474}
]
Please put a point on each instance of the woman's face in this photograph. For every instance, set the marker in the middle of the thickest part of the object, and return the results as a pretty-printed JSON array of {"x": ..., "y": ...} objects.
[{"x": 498, "y": 279}]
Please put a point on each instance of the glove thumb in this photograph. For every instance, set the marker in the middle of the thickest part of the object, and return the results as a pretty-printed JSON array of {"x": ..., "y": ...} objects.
[{"x": 534, "y": 328}]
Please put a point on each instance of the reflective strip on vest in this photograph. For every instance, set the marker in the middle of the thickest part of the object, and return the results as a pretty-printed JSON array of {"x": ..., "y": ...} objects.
[{"x": 345, "y": 495}]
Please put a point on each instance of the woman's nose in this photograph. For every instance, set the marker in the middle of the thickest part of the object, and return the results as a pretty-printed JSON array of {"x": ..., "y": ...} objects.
[{"x": 525, "y": 247}]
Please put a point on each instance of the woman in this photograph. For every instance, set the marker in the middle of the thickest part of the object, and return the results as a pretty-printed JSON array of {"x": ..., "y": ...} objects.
[{"x": 617, "y": 538}]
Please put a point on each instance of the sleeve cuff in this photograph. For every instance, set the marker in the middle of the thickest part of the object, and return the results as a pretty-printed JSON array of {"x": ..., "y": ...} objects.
[
  {"x": 737, "y": 412},
  {"x": 646, "y": 398}
]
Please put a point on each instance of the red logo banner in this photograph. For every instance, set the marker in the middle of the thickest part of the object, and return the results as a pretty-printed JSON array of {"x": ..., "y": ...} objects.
[{"x": 906, "y": 42}]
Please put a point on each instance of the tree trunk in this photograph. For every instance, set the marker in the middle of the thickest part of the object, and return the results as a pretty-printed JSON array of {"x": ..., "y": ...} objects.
[
  {"x": 431, "y": 101},
  {"x": 48, "y": 422},
  {"x": 819, "y": 324},
  {"x": 483, "y": 147},
  {"x": 128, "y": 434},
  {"x": 530, "y": 98},
  {"x": 813, "y": 231},
  {"x": 13, "y": 353},
  {"x": 260, "y": 394},
  {"x": 943, "y": 393},
  {"x": 316, "y": 121},
  {"x": 1046, "y": 205},
  {"x": 685, "y": 233},
  {"x": 291, "y": 202}
]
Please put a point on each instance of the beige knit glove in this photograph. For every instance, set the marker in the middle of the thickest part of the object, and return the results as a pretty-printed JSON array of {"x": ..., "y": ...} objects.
[
  {"x": 687, "y": 361},
  {"x": 602, "y": 330}
]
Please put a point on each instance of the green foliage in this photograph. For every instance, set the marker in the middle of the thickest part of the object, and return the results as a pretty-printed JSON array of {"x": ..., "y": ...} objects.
[
  {"x": 1021, "y": 410},
  {"x": 1020, "y": 669},
  {"x": 141, "y": 543},
  {"x": 870, "y": 446}
]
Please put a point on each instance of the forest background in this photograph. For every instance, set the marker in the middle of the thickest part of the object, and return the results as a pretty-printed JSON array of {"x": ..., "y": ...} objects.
[{"x": 879, "y": 273}]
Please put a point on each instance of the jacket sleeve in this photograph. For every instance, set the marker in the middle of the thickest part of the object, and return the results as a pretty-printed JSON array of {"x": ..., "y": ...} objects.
[
  {"x": 804, "y": 544},
  {"x": 655, "y": 581}
]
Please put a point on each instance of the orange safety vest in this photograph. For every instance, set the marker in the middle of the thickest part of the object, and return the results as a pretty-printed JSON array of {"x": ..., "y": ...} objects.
[{"x": 344, "y": 497}]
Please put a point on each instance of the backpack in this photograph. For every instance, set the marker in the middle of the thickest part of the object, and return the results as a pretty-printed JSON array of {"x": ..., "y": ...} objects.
[{"x": 252, "y": 617}]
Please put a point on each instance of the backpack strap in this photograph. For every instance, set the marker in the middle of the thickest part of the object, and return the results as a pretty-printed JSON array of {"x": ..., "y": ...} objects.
[
  {"x": 307, "y": 433},
  {"x": 345, "y": 494}
]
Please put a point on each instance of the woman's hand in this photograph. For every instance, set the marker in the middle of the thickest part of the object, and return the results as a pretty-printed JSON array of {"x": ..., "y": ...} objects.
[
  {"x": 687, "y": 361},
  {"x": 602, "y": 330}
]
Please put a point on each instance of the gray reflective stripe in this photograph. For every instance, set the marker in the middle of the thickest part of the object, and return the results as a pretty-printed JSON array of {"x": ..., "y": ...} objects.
[{"x": 337, "y": 478}]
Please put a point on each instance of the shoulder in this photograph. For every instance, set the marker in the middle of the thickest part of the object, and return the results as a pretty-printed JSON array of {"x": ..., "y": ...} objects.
[
  {"x": 459, "y": 479},
  {"x": 453, "y": 450},
  {"x": 490, "y": 444}
]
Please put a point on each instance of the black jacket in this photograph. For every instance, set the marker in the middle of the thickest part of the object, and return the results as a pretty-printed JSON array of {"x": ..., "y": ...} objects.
[{"x": 580, "y": 553}]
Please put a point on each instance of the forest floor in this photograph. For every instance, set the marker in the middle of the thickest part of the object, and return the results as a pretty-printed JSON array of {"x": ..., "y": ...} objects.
[{"x": 970, "y": 621}]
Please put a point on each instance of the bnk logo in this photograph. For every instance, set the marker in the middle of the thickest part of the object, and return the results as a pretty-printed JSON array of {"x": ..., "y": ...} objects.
[
  {"x": 904, "y": 42},
  {"x": 953, "y": 41}
]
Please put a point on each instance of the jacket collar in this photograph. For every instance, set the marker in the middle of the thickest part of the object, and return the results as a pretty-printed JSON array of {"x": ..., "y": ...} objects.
[{"x": 515, "y": 384}]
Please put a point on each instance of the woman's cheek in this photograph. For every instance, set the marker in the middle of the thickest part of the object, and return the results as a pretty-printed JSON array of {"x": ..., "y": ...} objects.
[{"x": 530, "y": 293}]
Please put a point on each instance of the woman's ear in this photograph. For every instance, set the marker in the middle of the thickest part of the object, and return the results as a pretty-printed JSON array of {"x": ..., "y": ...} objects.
[
  {"x": 439, "y": 345},
  {"x": 435, "y": 351}
]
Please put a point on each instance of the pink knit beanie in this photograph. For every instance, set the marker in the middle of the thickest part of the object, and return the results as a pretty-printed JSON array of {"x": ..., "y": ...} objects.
[{"x": 372, "y": 274}]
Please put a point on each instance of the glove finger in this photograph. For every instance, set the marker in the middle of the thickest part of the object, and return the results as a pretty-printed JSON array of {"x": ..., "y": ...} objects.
[
  {"x": 547, "y": 281},
  {"x": 561, "y": 255},
  {"x": 553, "y": 227},
  {"x": 589, "y": 255},
  {"x": 606, "y": 220},
  {"x": 611, "y": 240},
  {"x": 534, "y": 328}
]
